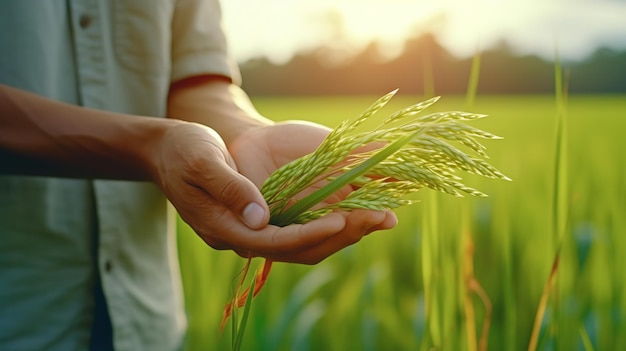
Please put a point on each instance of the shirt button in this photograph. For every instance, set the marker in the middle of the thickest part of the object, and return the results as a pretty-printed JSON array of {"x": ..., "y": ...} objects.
[
  {"x": 85, "y": 21},
  {"x": 107, "y": 266}
]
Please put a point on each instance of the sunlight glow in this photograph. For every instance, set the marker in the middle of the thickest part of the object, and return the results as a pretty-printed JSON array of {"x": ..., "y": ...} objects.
[{"x": 279, "y": 28}]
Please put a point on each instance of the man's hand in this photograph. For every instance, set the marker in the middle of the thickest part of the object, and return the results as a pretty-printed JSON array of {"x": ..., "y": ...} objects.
[
  {"x": 259, "y": 151},
  {"x": 189, "y": 162},
  {"x": 226, "y": 209},
  {"x": 214, "y": 192}
]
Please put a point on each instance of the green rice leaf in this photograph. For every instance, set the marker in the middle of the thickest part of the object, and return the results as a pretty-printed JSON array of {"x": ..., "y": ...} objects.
[
  {"x": 244, "y": 318},
  {"x": 420, "y": 151},
  {"x": 290, "y": 215}
]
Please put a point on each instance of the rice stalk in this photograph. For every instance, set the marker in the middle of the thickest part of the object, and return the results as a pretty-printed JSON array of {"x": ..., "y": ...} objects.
[
  {"x": 383, "y": 166},
  {"x": 473, "y": 286},
  {"x": 472, "y": 84},
  {"x": 543, "y": 304},
  {"x": 559, "y": 207},
  {"x": 244, "y": 320},
  {"x": 431, "y": 249},
  {"x": 560, "y": 199},
  {"x": 587, "y": 344},
  {"x": 510, "y": 309},
  {"x": 428, "y": 78}
]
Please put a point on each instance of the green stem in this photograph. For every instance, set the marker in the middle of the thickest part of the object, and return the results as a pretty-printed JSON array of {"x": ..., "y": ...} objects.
[
  {"x": 244, "y": 318},
  {"x": 290, "y": 215}
]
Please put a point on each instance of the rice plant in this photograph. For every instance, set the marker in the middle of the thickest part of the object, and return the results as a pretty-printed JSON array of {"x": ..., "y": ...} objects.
[
  {"x": 559, "y": 209},
  {"x": 510, "y": 229},
  {"x": 381, "y": 167}
]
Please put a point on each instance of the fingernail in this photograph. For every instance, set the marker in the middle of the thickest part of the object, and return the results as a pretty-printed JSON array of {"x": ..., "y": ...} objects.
[
  {"x": 393, "y": 222},
  {"x": 254, "y": 215}
]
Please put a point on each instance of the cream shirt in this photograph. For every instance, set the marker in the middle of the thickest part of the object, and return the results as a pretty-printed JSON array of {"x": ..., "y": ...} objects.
[{"x": 117, "y": 55}]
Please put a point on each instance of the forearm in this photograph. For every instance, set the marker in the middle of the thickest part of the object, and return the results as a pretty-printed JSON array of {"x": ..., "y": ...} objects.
[
  {"x": 39, "y": 136},
  {"x": 215, "y": 102}
]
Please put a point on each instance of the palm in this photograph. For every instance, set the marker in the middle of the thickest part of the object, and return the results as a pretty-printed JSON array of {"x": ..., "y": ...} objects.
[{"x": 260, "y": 152}]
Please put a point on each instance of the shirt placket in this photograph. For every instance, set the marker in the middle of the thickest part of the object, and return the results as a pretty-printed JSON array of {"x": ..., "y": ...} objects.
[
  {"x": 88, "y": 49},
  {"x": 91, "y": 75}
]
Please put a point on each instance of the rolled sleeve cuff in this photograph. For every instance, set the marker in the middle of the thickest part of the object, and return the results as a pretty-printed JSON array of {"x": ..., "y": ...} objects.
[{"x": 205, "y": 63}]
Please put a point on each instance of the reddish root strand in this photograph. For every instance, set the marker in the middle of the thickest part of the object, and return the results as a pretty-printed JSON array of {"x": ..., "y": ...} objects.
[{"x": 239, "y": 300}]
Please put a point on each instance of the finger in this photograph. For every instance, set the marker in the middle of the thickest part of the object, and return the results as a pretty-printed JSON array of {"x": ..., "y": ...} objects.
[
  {"x": 280, "y": 242},
  {"x": 358, "y": 224},
  {"x": 390, "y": 221},
  {"x": 237, "y": 193}
]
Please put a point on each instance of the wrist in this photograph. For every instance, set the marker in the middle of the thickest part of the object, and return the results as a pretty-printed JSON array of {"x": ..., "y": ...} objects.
[
  {"x": 153, "y": 139},
  {"x": 216, "y": 103}
]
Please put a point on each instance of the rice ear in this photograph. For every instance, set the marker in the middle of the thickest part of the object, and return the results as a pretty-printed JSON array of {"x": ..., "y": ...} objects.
[{"x": 417, "y": 154}]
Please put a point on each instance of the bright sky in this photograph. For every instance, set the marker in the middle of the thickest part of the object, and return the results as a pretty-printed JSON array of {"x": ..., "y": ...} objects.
[{"x": 279, "y": 28}]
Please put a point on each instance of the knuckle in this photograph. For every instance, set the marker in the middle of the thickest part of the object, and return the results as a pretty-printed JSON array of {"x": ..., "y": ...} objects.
[
  {"x": 352, "y": 237},
  {"x": 195, "y": 163},
  {"x": 230, "y": 190}
]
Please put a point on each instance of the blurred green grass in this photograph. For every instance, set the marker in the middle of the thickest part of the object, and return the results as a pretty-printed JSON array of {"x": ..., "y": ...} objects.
[{"x": 371, "y": 296}]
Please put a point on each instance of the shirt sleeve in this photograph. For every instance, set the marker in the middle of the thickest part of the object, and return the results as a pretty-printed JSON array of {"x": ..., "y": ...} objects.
[{"x": 199, "y": 45}]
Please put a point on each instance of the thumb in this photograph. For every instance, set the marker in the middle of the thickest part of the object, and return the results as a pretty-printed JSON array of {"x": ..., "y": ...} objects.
[{"x": 238, "y": 194}]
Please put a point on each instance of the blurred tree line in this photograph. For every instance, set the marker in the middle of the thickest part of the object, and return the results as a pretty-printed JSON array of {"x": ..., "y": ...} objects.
[{"x": 425, "y": 67}]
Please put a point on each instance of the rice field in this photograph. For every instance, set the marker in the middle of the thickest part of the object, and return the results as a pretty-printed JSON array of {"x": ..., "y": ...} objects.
[{"x": 457, "y": 273}]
